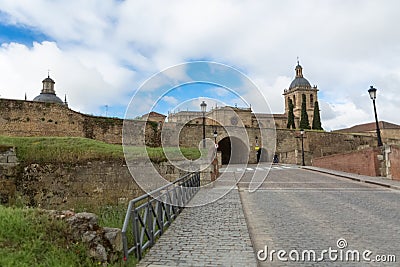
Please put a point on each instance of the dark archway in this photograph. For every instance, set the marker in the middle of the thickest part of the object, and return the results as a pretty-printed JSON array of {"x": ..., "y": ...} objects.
[
  {"x": 264, "y": 155},
  {"x": 233, "y": 150}
]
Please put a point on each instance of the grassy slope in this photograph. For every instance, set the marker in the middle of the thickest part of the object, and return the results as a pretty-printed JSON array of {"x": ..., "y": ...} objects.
[
  {"x": 30, "y": 238},
  {"x": 75, "y": 149}
]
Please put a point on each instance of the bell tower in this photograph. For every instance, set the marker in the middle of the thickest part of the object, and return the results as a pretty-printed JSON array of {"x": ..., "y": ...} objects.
[{"x": 300, "y": 86}]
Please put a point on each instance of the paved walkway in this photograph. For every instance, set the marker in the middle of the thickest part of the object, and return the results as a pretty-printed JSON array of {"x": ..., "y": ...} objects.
[{"x": 212, "y": 235}]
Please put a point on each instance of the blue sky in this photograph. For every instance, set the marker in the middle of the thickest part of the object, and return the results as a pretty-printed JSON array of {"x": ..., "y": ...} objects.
[{"x": 101, "y": 52}]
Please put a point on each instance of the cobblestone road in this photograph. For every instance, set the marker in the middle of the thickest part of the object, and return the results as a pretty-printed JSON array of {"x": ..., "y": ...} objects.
[
  {"x": 293, "y": 210},
  {"x": 212, "y": 235},
  {"x": 302, "y": 210}
]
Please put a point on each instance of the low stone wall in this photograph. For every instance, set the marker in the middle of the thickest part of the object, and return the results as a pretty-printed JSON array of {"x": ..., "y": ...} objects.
[
  {"x": 8, "y": 172},
  {"x": 368, "y": 161},
  {"x": 77, "y": 186}
]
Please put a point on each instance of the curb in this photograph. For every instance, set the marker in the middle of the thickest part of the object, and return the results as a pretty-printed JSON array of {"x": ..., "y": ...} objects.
[{"x": 395, "y": 187}]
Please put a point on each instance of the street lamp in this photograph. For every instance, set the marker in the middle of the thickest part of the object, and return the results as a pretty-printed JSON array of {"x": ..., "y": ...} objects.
[
  {"x": 203, "y": 107},
  {"x": 215, "y": 142},
  {"x": 215, "y": 160},
  {"x": 302, "y": 147},
  {"x": 372, "y": 95}
]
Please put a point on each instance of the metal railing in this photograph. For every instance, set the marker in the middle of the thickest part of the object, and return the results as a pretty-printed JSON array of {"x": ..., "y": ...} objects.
[{"x": 149, "y": 215}]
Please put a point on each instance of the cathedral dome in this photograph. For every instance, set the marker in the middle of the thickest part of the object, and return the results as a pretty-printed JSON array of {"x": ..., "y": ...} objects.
[
  {"x": 299, "y": 81},
  {"x": 49, "y": 98}
]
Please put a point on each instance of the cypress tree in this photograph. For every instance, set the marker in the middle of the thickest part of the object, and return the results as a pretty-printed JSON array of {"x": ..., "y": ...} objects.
[
  {"x": 304, "y": 123},
  {"x": 290, "y": 122},
  {"x": 316, "y": 124}
]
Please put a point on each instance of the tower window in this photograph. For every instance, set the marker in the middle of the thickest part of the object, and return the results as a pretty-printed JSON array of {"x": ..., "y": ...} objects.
[
  {"x": 294, "y": 101},
  {"x": 312, "y": 101}
]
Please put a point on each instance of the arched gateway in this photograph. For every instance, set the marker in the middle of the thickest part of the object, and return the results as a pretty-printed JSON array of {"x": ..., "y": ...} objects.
[{"x": 233, "y": 151}]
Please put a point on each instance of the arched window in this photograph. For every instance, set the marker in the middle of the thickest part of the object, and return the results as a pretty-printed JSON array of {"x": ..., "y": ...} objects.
[
  {"x": 294, "y": 101},
  {"x": 312, "y": 100}
]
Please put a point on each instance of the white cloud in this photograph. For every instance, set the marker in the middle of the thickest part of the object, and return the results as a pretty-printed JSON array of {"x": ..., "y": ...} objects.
[
  {"x": 170, "y": 100},
  {"x": 341, "y": 116},
  {"x": 101, "y": 51},
  {"x": 86, "y": 86}
]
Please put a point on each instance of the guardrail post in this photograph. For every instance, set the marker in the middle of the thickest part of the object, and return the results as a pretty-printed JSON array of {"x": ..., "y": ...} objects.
[
  {"x": 160, "y": 216},
  {"x": 136, "y": 234},
  {"x": 150, "y": 222}
]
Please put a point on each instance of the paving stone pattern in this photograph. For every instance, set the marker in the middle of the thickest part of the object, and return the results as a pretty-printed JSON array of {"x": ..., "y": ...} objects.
[
  {"x": 308, "y": 218},
  {"x": 211, "y": 235}
]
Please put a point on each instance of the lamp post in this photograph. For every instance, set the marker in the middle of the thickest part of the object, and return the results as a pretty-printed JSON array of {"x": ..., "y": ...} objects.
[
  {"x": 203, "y": 107},
  {"x": 302, "y": 147},
  {"x": 372, "y": 95},
  {"x": 215, "y": 160}
]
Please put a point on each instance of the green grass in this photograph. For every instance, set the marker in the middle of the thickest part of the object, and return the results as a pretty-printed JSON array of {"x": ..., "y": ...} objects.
[
  {"x": 30, "y": 238},
  {"x": 76, "y": 149}
]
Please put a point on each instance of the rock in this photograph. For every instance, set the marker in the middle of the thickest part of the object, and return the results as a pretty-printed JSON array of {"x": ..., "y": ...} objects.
[
  {"x": 84, "y": 218},
  {"x": 114, "y": 236},
  {"x": 89, "y": 236},
  {"x": 98, "y": 253},
  {"x": 81, "y": 223}
]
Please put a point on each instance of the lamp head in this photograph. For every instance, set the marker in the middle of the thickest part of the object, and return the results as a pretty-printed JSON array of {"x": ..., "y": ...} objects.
[
  {"x": 372, "y": 92},
  {"x": 203, "y": 106}
]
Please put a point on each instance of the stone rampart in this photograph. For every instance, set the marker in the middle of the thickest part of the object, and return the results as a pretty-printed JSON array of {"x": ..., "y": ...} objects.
[{"x": 29, "y": 118}]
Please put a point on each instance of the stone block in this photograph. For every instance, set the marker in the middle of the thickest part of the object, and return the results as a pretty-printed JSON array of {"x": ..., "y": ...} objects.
[
  {"x": 12, "y": 159},
  {"x": 114, "y": 236},
  {"x": 3, "y": 159}
]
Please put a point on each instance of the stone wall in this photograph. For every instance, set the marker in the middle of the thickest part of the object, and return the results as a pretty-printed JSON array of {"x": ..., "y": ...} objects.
[
  {"x": 28, "y": 118},
  {"x": 8, "y": 173},
  {"x": 368, "y": 161},
  {"x": 317, "y": 144},
  {"x": 68, "y": 186},
  {"x": 394, "y": 162}
]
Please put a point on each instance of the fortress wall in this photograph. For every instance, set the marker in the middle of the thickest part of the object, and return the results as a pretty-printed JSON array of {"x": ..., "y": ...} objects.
[
  {"x": 28, "y": 118},
  {"x": 318, "y": 144}
]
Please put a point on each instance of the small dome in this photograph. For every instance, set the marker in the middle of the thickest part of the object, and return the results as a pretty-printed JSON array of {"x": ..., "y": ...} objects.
[
  {"x": 299, "y": 82},
  {"x": 49, "y": 98}
]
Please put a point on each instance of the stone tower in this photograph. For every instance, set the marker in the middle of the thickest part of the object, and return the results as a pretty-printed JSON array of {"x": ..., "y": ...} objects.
[{"x": 300, "y": 86}]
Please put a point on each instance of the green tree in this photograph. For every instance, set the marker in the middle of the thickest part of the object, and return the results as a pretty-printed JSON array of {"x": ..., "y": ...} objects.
[
  {"x": 316, "y": 124},
  {"x": 304, "y": 123},
  {"x": 290, "y": 122}
]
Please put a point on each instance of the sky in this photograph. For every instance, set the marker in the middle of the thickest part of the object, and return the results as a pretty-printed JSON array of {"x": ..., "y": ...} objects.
[{"x": 101, "y": 53}]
